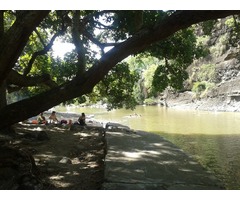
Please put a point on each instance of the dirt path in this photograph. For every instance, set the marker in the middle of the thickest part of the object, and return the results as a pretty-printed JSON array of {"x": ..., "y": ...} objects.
[{"x": 69, "y": 159}]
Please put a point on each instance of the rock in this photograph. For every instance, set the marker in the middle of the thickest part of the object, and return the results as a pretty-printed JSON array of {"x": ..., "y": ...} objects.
[
  {"x": 14, "y": 165},
  {"x": 65, "y": 160}
]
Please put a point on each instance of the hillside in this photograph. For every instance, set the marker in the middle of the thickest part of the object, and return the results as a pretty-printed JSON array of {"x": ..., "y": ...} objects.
[{"x": 214, "y": 81}]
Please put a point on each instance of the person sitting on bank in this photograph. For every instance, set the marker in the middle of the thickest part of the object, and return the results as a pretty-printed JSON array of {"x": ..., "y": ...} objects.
[
  {"x": 41, "y": 119},
  {"x": 81, "y": 120},
  {"x": 53, "y": 118}
]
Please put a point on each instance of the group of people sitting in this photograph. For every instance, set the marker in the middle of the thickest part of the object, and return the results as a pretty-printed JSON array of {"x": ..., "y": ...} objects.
[{"x": 54, "y": 120}]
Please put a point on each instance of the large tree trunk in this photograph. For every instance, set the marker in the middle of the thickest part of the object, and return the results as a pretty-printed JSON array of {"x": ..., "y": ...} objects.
[
  {"x": 84, "y": 84},
  {"x": 3, "y": 101}
]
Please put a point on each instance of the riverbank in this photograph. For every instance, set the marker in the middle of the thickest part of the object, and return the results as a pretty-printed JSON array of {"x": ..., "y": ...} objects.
[
  {"x": 210, "y": 137},
  {"x": 208, "y": 151},
  {"x": 64, "y": 158},
  {"x": 187, "y": 101}
]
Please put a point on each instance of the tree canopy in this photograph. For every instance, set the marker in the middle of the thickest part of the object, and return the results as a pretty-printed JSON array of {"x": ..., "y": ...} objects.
[{"x": 27, "y": 63}]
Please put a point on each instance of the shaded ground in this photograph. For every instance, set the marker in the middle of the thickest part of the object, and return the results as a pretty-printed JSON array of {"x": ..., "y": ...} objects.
[
  {"x": 64, "y": 158},
  {"x": 146, "y": 161}
]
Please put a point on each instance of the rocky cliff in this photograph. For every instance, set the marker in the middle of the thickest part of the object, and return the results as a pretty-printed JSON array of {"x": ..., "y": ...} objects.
[{"x": 214, "y": 81}]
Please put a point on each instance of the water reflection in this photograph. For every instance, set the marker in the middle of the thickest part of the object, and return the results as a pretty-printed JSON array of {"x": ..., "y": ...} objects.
[
  {"x": 212, "y": 138},
  {"x": 218, "y": 153}
]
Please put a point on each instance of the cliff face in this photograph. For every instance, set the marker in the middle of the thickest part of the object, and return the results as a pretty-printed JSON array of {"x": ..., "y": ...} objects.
[{"x": 214, "y": 81}]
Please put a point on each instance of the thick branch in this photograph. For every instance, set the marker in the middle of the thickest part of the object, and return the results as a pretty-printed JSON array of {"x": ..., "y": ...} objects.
[
  {"x": 144, "y": 38},
  {"x": 25, "y": 81},
  {"x": 97, "y": 42},
  {"x": 15, "y": 39},
  {"x": 84, "y": 84},
  {"x": 40, "y": 38},
  {"x": 77, "y": 29},
  {"x": 41, "y": 52}
]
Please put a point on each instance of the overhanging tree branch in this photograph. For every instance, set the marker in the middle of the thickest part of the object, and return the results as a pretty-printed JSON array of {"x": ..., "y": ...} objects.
[
  {"x": 97, "y": 42},
  {"x": 25, "y": 81},
  {"x": 41, "y": 52},
  {"x": 15, "y": 39},
  {"x": 84, "y": 84},
  {"x": 40, "y": 38}
]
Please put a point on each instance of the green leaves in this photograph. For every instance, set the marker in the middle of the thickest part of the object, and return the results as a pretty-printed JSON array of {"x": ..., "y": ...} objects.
[
  {"x": 98, "y": 30},
  {"x": 168, "y": 75},
  {"x": 117, "y": 87},
  {"x": 178, "y": 52}
]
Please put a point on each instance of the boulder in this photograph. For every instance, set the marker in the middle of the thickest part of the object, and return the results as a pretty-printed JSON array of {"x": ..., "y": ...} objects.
[
  {"x": 65, "y": 160},
  {"x": 15, "y": 165}
]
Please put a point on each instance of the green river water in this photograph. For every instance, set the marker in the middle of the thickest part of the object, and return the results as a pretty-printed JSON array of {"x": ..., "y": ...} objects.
[{"x": 213, "y": 138}]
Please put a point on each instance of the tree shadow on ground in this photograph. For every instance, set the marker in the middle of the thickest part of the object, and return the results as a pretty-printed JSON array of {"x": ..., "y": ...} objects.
[
  {"x": 145, "y": 158},
  {"x": 68, "y": 159}
]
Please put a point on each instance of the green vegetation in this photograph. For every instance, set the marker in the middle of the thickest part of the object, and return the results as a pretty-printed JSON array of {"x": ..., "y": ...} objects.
[
  {"x": 203, "y": 76},
  {"x": 234, "y": 25},
  {"x": 117, "y": 87},
  {"x": 207, "y": 73},
  {"x": 162, "y": 44},
  {"x": 150, "y": 101},
  {"x": 221, "y": 46},
  {"x": 143, "y": 77},
  {"x": 201, "y": 88}
]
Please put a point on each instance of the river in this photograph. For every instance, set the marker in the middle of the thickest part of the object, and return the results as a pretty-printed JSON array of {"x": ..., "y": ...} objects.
[{"x": 212, "y": 138}]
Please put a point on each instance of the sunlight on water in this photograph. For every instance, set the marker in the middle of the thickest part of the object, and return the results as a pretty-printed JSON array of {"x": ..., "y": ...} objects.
[{"x": 213, "y": 138}]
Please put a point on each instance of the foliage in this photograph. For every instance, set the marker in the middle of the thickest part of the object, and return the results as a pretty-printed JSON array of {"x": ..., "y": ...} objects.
[
  {"x": 150, "y": 101},
  {"x": 62, "y": 70},
  {"x": 148, "y": 75},
  {"x": 207, "y": 26},
  {"x": 145, "y": 66},
  {"x": 234, "y": 24},
  {"x": 207, "y": 72},
  {"x": 128, "y": 22},
  {"x": 201, "y": 88},
  {"x": 93, "y": 74},
  {"x": 178, "y": 51},
  {"x": 220, "y": 47},
  {"x": 169, "y": 75},
  {"x": 117, "y": 87},
  {"x": 9, "y": 19}
]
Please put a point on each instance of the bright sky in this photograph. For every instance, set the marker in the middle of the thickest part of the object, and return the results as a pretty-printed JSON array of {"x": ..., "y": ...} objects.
[{"x": 59, "y": 48}]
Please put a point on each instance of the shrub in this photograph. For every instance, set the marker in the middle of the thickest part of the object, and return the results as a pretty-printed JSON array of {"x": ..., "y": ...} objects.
[
  {"x": 150, "y": 101},
  {"x": 199, "y": 87}
]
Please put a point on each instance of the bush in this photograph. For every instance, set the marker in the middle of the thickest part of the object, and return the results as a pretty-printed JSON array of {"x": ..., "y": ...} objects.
[
  {"x": 199, "y": 87},
  {"x": 150, "y": 101},
  {"x": 207, "y": 73}
]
